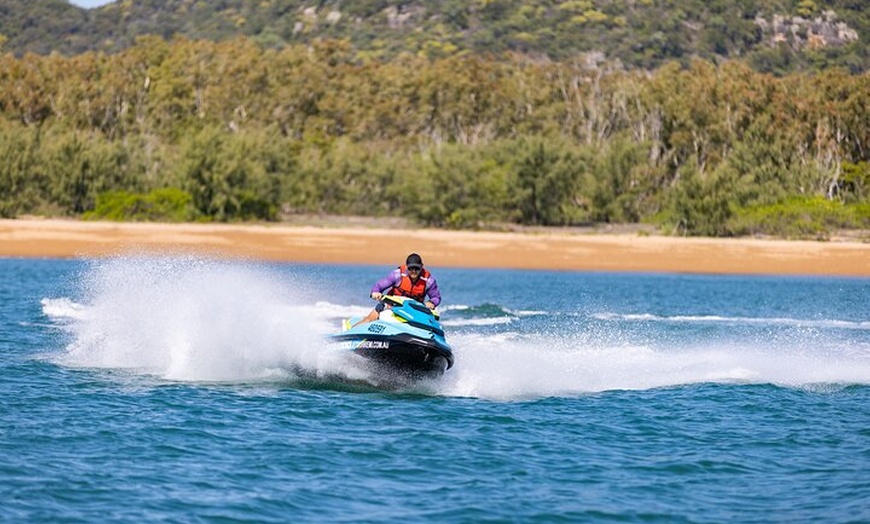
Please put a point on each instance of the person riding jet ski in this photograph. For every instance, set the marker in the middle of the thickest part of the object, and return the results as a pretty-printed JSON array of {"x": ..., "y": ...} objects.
[{"x": 409, "y": 280}]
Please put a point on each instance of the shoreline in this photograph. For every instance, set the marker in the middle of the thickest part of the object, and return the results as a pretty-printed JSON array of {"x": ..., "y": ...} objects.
[{"x": 542, "y": 250}]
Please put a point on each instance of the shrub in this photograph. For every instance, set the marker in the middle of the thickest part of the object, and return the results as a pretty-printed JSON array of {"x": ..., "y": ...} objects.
[
  {"x": 161, "y": 205},
  {"x": 799, "y": 217}
]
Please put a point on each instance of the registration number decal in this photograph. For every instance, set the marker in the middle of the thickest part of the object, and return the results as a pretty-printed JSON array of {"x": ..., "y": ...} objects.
[
  {"x": 363, "y": 344},
  {"x": 374, "y": 344}
]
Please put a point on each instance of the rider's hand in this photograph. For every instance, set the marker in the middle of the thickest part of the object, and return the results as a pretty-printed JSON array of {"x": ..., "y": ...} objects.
[
  {"x": 377, "y": 296},
  {"x": 430, "y": 305}
]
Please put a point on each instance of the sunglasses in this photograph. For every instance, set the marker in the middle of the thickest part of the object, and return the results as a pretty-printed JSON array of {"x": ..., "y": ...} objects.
[{"x": 414, "y": 268}]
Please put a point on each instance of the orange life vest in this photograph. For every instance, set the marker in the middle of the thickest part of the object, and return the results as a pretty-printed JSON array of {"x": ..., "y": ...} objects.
[{"x": 415, "y": 290}]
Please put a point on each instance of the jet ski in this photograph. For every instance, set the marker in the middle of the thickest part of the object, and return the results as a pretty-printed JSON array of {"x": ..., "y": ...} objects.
[{"x": 406, "y": 341}]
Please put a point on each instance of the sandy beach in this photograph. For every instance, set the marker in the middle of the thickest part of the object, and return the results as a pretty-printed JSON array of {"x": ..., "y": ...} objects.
[{"x": 52, "y": 238}]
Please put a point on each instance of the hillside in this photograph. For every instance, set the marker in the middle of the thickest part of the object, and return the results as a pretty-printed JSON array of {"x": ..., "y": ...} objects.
[{"x": 771, "y": 35}]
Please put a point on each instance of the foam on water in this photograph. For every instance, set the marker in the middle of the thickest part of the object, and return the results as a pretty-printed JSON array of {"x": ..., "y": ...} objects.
[
  {"x": 796, "y": 322},
  {"x": 63, "y": 309},
  {"x": 186, "y": 318},
  {"x": 510, "y": 366}
]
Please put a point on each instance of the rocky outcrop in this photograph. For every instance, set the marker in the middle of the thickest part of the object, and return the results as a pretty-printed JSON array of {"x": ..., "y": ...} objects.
[{"x": 824, "y": 30}]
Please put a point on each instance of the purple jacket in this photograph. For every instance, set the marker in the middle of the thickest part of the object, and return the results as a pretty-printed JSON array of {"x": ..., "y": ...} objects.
[{"x": 395, "y": 277}]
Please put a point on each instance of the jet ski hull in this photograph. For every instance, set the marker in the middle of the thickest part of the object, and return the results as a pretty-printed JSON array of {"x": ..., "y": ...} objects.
[{"x": 404, "y": 355}]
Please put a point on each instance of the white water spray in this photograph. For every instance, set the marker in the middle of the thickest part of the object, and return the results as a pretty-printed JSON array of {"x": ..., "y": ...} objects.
[{"x": 191, "y": 319}]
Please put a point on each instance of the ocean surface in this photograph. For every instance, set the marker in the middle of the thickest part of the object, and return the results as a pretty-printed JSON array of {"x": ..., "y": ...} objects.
[{"x": 147, "y": 388}]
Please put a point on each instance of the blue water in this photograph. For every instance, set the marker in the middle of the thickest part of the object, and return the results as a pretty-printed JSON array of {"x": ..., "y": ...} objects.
[{"x": 180, "y": 389}]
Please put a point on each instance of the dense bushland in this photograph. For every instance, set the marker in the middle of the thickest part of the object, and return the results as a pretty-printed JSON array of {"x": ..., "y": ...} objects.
[{"x": 236, "y": 131}]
